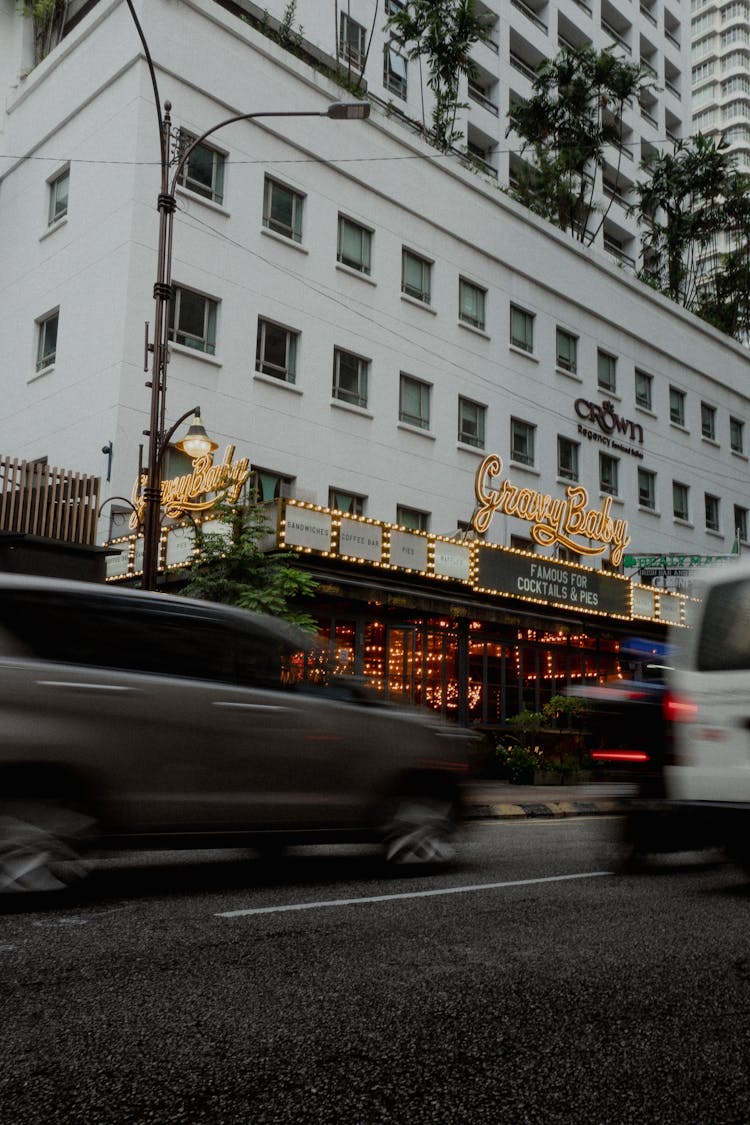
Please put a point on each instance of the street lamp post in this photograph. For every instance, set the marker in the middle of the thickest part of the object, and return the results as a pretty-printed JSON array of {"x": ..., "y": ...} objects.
[{"x": 158, "y": 438}]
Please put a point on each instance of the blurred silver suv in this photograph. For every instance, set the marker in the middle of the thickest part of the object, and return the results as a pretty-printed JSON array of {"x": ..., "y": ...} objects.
[{"x": 148, "y": 720}]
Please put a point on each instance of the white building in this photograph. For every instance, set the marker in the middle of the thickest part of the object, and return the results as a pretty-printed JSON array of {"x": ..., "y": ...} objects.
[
  {"x": 361, "y": 317},
  {"x": 720, "y": 77},
  {"x": 522, "y": 33}
]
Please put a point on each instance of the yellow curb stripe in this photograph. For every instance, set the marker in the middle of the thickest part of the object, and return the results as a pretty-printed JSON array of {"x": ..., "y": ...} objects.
[{"x": 508, "y": 810}]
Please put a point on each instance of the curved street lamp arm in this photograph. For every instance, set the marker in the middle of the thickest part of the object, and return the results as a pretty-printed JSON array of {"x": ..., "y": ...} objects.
[
  {"x": 184, "y": 156},
  {"x": 110, "y": 499},
  {"x": 165, "y": 438},
  {"x": 152, "y": 72}
]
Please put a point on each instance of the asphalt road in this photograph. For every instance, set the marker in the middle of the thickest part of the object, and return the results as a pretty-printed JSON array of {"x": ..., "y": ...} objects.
[{"x": 525, "y": 984}]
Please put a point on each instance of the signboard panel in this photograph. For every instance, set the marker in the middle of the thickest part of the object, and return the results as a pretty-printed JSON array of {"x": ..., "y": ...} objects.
[
  {"x": 361, "y": 540},
  {"x": 308, "y": 528},
  {"x": 408, "y": 551},
  {"x": 452, "y": 560},
  {"x": 117, "y": 565},
  {"x": 546, "y": 580},
  {"x": 180, "y": 546},
  {"x": 669, "y": 608},
  {"x": 643, "y": 602}
]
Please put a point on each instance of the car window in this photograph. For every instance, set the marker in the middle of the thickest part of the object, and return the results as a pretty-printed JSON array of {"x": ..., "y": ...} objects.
[
  {"x": 725, "y": 631},
  {"x": 265, "y": 661},
  {"x": 120, "y": 633}
]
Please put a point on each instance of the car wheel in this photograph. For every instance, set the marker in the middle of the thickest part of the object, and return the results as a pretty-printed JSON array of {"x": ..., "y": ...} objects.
[
  {"x": 419, "y": 829},
  {"x": 41, "y": 846}
]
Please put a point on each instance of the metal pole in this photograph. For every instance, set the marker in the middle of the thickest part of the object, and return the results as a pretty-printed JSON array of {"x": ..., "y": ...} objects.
[{"x": 157, "y": 439}]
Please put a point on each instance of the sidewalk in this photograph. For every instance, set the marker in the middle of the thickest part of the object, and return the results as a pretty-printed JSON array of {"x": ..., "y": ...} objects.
[{"x": 500, "y": 799}]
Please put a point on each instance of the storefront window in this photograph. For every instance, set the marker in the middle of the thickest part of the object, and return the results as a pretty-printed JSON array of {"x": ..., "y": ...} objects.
[{"x": 474, "y": 672}]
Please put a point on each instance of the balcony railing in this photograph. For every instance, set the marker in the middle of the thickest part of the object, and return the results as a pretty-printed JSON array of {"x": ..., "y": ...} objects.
[
  {"x": 649, "y": 117},
  {"x": 649, "y": 16},
  {"x": 529, "y": 13},
  {"x": 673, "y": 89},
  {"x": 614, "y": 192},
  {"x": 616, "y": 36},
  {"x": 479, "y": 96},
  {"x": 618, "y": 253},
  {"x": 51, "y": 503},
  {"x": 518, "y": 64}
]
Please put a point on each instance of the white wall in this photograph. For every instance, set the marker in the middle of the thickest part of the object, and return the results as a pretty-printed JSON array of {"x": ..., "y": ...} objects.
[{"x": 100, "y": 267}]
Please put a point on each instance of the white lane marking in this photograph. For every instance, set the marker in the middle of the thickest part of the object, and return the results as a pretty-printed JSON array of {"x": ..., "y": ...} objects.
[{"x": 409, "y": 894}]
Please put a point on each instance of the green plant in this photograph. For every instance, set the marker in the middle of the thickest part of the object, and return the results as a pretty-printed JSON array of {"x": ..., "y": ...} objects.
[
  {"x": 287, "y": 35},
  {"x": 518, "y": 763},
  {"x": 526, "y": 726},
  {"x": 565, "y": 711},
  {"x": 574, "y": 114},
  {"x": 442, "y": 32},
  {"x": 49, "y": 18},
  {"x": 694, "y": 209},
  {"x": 235, "y": 568}
]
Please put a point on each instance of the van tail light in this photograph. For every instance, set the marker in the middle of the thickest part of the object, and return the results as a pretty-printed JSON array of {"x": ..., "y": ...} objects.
[
  {"x": 678, "y": 708},
  {"x": 639, "y": 756}
]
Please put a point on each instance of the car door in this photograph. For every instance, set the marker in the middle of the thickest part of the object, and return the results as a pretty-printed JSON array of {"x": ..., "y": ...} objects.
[
  {"x": 713, "y": 747},
  {"x": 284, "y": 757}
]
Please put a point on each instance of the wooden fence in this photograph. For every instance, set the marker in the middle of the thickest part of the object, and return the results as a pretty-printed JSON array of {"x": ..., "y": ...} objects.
[{"x": 53, "y": 503}]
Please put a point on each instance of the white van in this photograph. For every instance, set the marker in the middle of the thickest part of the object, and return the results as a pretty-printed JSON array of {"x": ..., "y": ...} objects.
[{"x": 707, "y": 771}]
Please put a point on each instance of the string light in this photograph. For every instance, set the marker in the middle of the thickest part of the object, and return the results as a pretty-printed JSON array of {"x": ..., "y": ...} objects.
[{"x": 441, "y": 563}]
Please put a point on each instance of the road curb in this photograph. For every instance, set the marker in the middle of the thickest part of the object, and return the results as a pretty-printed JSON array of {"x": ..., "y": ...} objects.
[{"x": 543, "y": 809}]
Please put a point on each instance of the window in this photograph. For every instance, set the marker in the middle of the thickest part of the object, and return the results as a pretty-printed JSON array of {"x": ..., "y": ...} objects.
[
  {"x": 192, "y": 320},
  {"x": 471, "y": 303},
  {"x": 608, "y": 474},
  {"x": 647, "y": 489},
  {"x": 676, "y": 406},
  {"x": 346, "y": 501},
  {"x": 350, "y": 377},
  {"x": 643, "y": 389},
  {"x": 414, "y": 402},
  {"x": 392, "y": 6},
  {"x": 567, "y": 351},
  {"x": 708, "y": 421},
  {"x": 606, "y": 372},
  {"x": 412, "y": 518},
  {"x": 521, "y": 329},
  {"x": 268, "y": 485},
  {"x": 282, "y": 210},
  {"x": 737, "y": 435},
  {"x": 740, "y": 523},
  {"x": 394, "y": 72},
  {"x": 58, "y": 196},
  {"x": 712, "y": 512},
  {"x": 521, "y": 442},
  {"x": 46, "y": 348},
  {"x": 276, "y": 351},
  {"x": 354, "y": 245},
  {"x": 352, "y": 40},
  {"x": 471, "y": 422},
  {"x": 203, "y": 172},
  {"x": 680, "y": 507},
  {"x": 567, "y": 458},
  {"x": 415, "y": 276},
  {"x": 521, "y": 543}
]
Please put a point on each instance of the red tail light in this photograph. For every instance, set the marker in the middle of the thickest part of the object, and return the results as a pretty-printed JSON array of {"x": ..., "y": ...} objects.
[
  {"x": 619, "y": 756},
  {"x": 678, "y": 709}
]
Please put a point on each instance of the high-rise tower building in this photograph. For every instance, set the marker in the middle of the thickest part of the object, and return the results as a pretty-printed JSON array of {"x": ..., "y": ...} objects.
[{"x": 720, "y": 77}]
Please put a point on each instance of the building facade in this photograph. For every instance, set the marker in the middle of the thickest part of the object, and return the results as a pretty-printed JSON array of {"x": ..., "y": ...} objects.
[
  {"x": 367, "y": 322},
  {"x": 720, "y": 76}
]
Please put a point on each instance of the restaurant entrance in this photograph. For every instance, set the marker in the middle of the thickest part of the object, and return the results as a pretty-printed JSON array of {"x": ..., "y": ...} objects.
[{"x": 476, "y": 672}]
